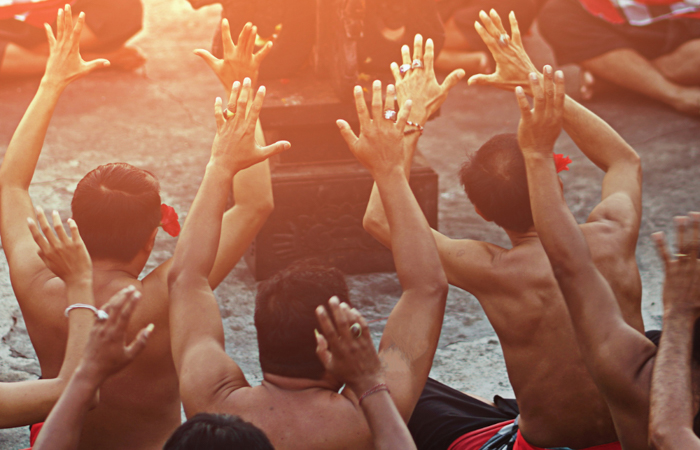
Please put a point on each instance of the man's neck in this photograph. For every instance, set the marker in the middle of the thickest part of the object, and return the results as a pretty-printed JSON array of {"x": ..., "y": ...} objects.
[
  {"x": 110, "y": 268},
  {"x": 300, "y": 384},
  {"x": 519, "y": 238}
]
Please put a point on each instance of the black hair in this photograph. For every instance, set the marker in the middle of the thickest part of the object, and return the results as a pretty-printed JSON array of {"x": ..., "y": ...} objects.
[
  {"x": 217, "y": 432},
  {"x": 285, "y": 317},
  {"x": 116, "y": 207},
  {"x": 495, "y": 181}
]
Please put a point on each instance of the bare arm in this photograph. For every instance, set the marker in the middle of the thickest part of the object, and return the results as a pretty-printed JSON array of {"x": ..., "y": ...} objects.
[
  {"x": 64, "y": 66},
  {"x": 105, "y": 355},
  {"x": 412, "y": 331},
  {"x": 671, "y": 409},
  {"x": 618, "y": 357},
  {"x": 622, "y": 185},
  {"x": 207, "y": 375},
  {"x": 352, "y": 359}
]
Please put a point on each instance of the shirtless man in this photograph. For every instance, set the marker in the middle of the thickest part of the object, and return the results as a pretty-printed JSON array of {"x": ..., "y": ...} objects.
[
  {"x": 559, "y": 403},
  {"x": 140, "y": 407},
  {"x": 619, "y": 358},
  {"x": 299, "y": 404}
]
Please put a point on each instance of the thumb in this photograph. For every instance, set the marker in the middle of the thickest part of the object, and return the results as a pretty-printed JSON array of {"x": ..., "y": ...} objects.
[
  {"x": 139, "y": 343},
  {"x": 322, "y": 350},
  {"x": 347, "y": 132},
  {"x": 452, "y": 79},
  {"x": 277, "y": 147},
  {"x": 483, "y": 80},
  {"x": 208, "y": 58},
  {"x": 96, "y": 64}
]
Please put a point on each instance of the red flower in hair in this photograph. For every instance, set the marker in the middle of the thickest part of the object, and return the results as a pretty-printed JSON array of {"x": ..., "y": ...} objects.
[
  {"x": 561, "y": 162},
  {"x": 168, "y": 220}
]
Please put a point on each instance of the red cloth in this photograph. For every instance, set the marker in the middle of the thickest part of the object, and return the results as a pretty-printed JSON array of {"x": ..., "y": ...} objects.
[
  {"x": 476, "y": 439},
  {"x": 37, "y": 12},
  {"x": 34, "y": 434}
]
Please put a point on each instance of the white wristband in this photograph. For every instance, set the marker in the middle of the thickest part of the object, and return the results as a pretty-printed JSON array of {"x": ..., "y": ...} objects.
[{"x": 101, "y": 315}]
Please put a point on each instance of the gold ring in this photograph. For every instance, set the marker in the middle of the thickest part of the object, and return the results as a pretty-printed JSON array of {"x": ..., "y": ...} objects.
[
  {"x": 228, "y": 114},
  {"x": 356, "y": 330},
  {"x": 681, "y": 255}
]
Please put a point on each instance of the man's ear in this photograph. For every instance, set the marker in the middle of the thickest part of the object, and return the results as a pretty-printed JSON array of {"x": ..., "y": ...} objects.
[{"x": 483, "y": 216}]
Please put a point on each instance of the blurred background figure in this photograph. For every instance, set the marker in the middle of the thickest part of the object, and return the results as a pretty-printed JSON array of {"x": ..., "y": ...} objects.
[{"x": 109, "y": 25}]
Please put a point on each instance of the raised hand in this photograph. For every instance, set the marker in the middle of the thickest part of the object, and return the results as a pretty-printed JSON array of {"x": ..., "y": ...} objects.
[
  {"x": 379, "y": 147},
  {"x": 513, "y": 65},
  {"x": 234, "y": 146},
  {"x": 65, "y": 63},
  {"x": 65, "y": 256},
  {"x": 107, "y": 351},
  {"x": 420, "y": 84},
  {"x": 540, "y": 127},
  {"x": 346, "y": 349},
  {"x": 239, "y": 60},
  {"x": 682, "y": 284}
]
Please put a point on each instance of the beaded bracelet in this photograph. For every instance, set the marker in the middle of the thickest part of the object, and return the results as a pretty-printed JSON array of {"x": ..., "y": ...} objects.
[
  {"x": 419, "y": 128},
  {"x": 373, "y": 390}
]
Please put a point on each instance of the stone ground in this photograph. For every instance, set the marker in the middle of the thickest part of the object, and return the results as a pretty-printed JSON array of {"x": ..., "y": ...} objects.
[{"x": 160, "y": 119}]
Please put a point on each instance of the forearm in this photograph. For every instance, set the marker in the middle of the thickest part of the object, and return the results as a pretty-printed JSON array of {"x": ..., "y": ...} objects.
[
  {"x": 27, "y": 402},
  {"x": 671, "y": 408},
  {"x": 412, "y": 243},
  {"x": 25, "y": 146},
  {"x": 62, "y": 429},
  {"x": 596, "y": 139},
  {"x": 389, "y": 431}
]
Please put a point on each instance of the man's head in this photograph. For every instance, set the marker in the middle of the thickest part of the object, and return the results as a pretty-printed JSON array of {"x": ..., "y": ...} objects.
[
  {"x": 285, "y": 318},
  {"x": 217, "y": 432},
  {"x": 117, "y": 209},
  {"x": 495, "y": 181}
]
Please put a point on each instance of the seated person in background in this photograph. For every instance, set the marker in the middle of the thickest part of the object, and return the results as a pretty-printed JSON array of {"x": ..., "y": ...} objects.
[
  {"x": 463, "y": 46},
  {"x": 300, "y": 404},
  {"x": 109, "y": 25},
  {"x": 28, "y": 402},
  {"x": 648, "y": 46},
  {"x": 619, "y": 358},
  {"x": 106, "y": 354},
  {"x": 118, "y": 209},
  {"x": 673, "y": 422},
  {"x": 559, "y": 403}
]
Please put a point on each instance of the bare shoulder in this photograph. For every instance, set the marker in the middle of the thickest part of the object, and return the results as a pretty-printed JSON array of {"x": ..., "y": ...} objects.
[{"x": 617, "y": 213}]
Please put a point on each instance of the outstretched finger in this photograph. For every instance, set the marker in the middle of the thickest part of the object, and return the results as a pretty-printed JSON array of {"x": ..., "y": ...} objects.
[
  {"x": 402, "y": 117},
  {"x": 340, "y": 316},
  {"x": 208, "y": 58},
  {"x": 50, "y": 36},
  {"x": 58, "y": 227},
  {"x": 489, "y": 40},
  {"x": 489, "y": 25},
  {"x": 355, "y": 317},
  {"x": 250, "y": 45},
  {"x": 418, "y": 47},
  {"x": 481, "y": 79},
  {"x": 322, "y": 349},
  {"x": 75, "y": 232},
  {"x": 548, "y": 76},
  {"x": 523, "y": 104},
  {"x": 681, "y": 224},
  {"x": 44, "y": 246},
  {"x": 77, "y": 30},
  {"x": 273, "y": 149},
  {"x": 227, "y": 39},
  {"x": 243, "y": 99},
  {"x": 496, "y": 19},
  {"x": 377, "y": 100},
  {"x": 254, "y": 113},
  {"x": 361, "y": 106},
  {"x": 60, "y": 25},
  {"x": 406, "y": 54},
  {"x": 537, "y": 94},
  {"x": 662, "y": 248},
  {"x": 68, "y": 22},
  {"x": 429, "y": 56},
  {"x": 235, "y": 91},
  {"x": 396, "y": 72},
  {"x": 139, "y": 342},
  {"x": 452, "y": 79},
  {"x": 560, "y": 93},
  {"x": 132, "y": 298},
  {"x": 347, "y": 133},
  {"x": 515, "y": 30},
  {"x": 263, "y": 52},
  {"x": 390, "y": 102},
  {"x": 97, "y": 64},
  {"x": 219, "y": 113},
  {"x": 115, "y": 304},
  {"x": 45, "y": 228},
  {"x": 327, "y": 327}
]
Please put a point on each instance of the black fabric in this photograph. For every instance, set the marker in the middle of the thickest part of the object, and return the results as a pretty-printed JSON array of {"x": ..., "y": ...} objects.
[
  {"x": 443, "y": 415},
  {"x": 113, "y": 22},
  {"x": 466, "y": 12},
  {"x": 654, "y": 336},
  {"x": 575, "y": 35}
]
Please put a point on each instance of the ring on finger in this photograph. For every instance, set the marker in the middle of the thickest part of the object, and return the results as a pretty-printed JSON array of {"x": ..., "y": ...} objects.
[
  {"x": 405, "y": 68},
  {"x": 228, "y": 114},
  {"x": 390, "y": 114},
  {"x": 356, "y": 330},
  {"x": 681, "y": 255},
  {"x": 503, "y": 40},
  {"x": 417, "y": 64}
]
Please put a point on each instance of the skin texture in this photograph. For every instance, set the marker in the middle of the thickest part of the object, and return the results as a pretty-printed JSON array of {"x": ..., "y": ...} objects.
[
  {"x": 353, "y": 360},
  {"x": 560, "y": 404},
  {"x": 105, "y": 354},
  {"x": 139, "y": 407},
  {"x": 28, "y": 402},
  {"x": 672, "y": 408},
  {"x": 298, "y": 413}
]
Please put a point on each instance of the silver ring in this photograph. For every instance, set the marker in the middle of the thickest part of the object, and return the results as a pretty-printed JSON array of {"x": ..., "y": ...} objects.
[
  {"x": 404, "y": 68},
  {"x": 228, "y": 114},
  {"x": 390, "y": 114},
  {"x": 503, "y": 40},
  {"x": 356, "y": 330},
  {"x": 417, "y": 64}
]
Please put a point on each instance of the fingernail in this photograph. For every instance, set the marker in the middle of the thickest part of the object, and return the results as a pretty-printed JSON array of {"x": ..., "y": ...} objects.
[
  {"x": 246, "y": 82},
  {"x": 533, "y": 76},
  {"x": 519, "y": 90},
  {"x": 149, "y": 329},
  {"x": 287, "y": 146},
  {"x": 548, "y": 69},
  {"x": 355, "y": 310},
  {"x": 130, "y": 288},
  {"x": 320, "y": 310},
  {"x": 377, "y": 84},
  {"x": 409, "y": 102},
  {"x": 136, "y": 295},
  {"x": 30, "y": 221},
  {"x": 262, "y": 89},
  {"x": 316, "y": 333},
  {"x": 236, "y": 84},
  {"x": 559, "y": 74},
  {"x": 358, "y": 89}
]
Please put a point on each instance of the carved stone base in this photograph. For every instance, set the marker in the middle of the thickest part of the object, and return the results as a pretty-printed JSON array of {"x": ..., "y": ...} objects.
[{"x": 318, "y": 215}]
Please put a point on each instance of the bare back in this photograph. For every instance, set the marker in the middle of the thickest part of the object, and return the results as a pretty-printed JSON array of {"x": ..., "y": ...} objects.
[{"x": 560, "y": 404}]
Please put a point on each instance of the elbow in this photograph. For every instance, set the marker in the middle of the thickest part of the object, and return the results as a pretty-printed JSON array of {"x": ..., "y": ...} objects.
[{"x": 369, "y": 222}]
